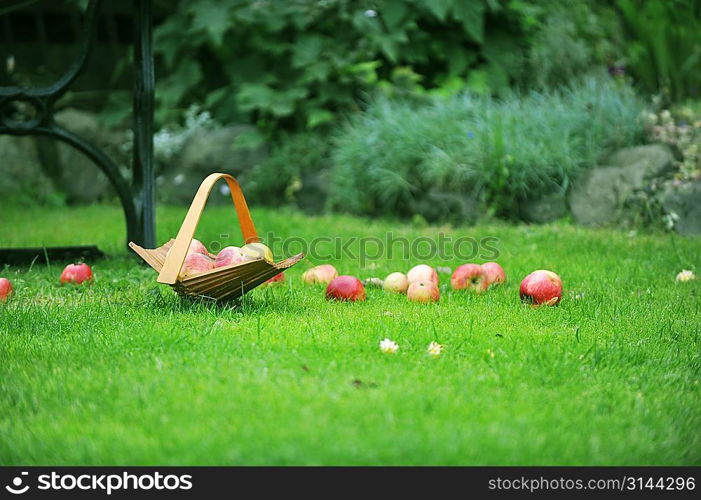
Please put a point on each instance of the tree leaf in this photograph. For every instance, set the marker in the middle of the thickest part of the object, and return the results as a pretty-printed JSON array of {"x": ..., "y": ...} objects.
[
  {"x": 438, "y": 8},
  {"x": 307, "y": 50},
  {"x": 252, "y": 96},
  {"x": 393, "y": 12},
  {"x": 317, "y": 117},
  {"x": 471, "y": 14},
  {"x": 211, "y": 17}
]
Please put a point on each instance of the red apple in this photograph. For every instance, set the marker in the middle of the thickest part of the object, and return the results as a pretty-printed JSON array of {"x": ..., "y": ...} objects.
[
  {"x": 423, "y": 291},
  {"x": 196, "y": 246},
  {"x": 228, "y": 256},
  {"x": 396, "y": 282},
  {"x": 422, "y": 272},
  {"x": 348, "y": 288},
  {"x": 469, "y": 277},
  {"x": 541, "y": 288},
  {"x": 494, "y": 272},
  {"x": 76, "y": 274},
  {"x": 5, "y": 289},
  {"x": 322, "y": 274},
  {"x": 196, "y": 263},
  {"x": 278, "y": 278}
]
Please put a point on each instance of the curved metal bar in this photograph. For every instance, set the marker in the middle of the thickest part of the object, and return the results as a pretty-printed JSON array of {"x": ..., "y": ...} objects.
[
  {"x": 52, "y": 92},
  {"x": 108, "y": 167},
  {"x": 138, "y": 199}
]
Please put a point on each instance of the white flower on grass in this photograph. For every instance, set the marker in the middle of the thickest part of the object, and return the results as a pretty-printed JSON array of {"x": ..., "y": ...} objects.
[
  {"x": 434, "y": 349},
  {"x": 388, "y": 346},
  {"x": 686, "y": 275}
]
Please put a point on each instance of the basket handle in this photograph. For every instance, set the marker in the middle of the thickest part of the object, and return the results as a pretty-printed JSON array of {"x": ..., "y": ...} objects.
[{"x": 176, "y": 256}]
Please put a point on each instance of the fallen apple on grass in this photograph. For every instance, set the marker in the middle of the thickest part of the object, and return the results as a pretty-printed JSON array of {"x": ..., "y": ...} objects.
[
  {"x": 494, "y": 272},
  {"x": 228, "y": 256},
  {"x": 345, "y": 288},
  {"x": 469, "y": 277},
  {"x": 323, "y": 274},
  {"x": 396, "y": 282},
  {"x": 196, "y": 263},
  {"x": 423, "y": 291},
  {"x": 541, "y": 287},
  {"x": 422, "y": 272},
  {"x": 76, "y": 274},
  {"x": 279, "y": 278},
  {"x": 5, "y": 289},
  {"x": 257, "y": 250}
]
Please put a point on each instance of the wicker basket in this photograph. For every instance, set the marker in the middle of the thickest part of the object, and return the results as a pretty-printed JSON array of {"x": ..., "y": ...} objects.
[{"x": 222, "y": 283}]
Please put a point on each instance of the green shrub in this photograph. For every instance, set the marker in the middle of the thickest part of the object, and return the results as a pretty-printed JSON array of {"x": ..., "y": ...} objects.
[
  {"x": 664, "y": 51},
  {"x": 446, "y": 159},
  {"x": 296, "y": 173},
  {"x": 570, "y": 38},
  {"x": 293, "y": 65}
]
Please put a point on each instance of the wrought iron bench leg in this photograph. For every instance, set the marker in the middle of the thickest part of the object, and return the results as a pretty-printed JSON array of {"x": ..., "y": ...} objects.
[{"x": 143, "y": 175}]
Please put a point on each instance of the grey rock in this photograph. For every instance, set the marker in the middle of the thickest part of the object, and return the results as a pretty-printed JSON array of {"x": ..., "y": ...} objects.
[
  {"x": 437, "y": 205},
  {"x": 599, "y": 196},
  {"x": 684, "y": 201},
  {"x": 21, "y": 177},
  {"x": 71, "y": 171},
  {"x": 653, "y": 160},
  {"x": 545, "y": 209},
  {"x": 205, "y": 152},
  {"x": 312, "y": 195}
]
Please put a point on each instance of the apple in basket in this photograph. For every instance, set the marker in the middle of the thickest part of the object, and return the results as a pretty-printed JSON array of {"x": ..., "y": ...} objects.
[
  {"x": 5, "y": 289},
  {"x": 345, "y": 288},
  {"x": 423, "y": 291},
  {"x": 76, "y": 274},
  {"x": 196, "y": 246},
  {"x": 196, "y": 263},
  {"x": 469, "y": 277},
  {"x": 422, "y": 272},
  {"x": 256, "y": 251},
  {"x": 228, "y": 256},
  {"x": 322, "y": 274}
]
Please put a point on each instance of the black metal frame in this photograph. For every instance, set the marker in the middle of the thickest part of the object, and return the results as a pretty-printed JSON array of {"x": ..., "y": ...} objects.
[{"x": 137, "y": 198}]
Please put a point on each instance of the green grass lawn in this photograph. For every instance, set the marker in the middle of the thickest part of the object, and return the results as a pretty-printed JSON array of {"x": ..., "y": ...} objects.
[{"x": 124, "y": 372}]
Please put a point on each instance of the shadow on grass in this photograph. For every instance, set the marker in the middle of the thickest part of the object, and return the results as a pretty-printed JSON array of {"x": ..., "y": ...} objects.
[{"x": 271, "y": 299}]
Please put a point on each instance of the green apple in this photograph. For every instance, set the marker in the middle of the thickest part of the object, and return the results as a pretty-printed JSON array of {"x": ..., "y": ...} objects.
[{"x": 255, "y": 251}]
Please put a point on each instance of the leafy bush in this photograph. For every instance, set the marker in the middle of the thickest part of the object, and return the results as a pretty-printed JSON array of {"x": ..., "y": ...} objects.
[
  {"x": 445, "y": 159},
  {"x": 569, "y": 39},
  {"x": 681, "y": 130},
  {"x": 294, "y": 64},
  {"x": 296, "y": 173},
  {"x": 664, "y": 51}
]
